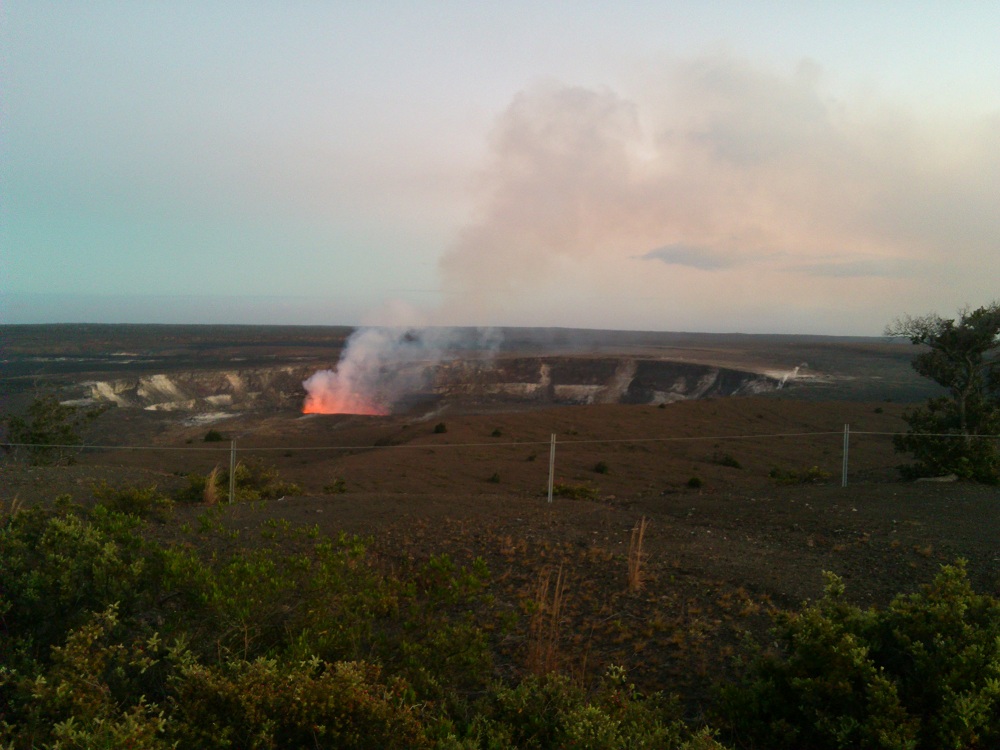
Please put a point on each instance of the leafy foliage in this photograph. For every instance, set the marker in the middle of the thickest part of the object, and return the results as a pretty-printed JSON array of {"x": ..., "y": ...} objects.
[
  {"x": 138, "y": 501},
  {"x": 550, "y": 711},
  {"x": 575, "y": 491},
  {"x": 924, "y": 673},
  {"x": 111, "y": 639},
  {"x": 806, "y": 475},
  {"x": 726, "y": 459},
  {"x": 271, "y": 703},
  {"x": 958, "y": 433},
  {"x": 61, "y": 566},
  {"x": 253, "y": 481},
  {"x": 49, "y": 430}
]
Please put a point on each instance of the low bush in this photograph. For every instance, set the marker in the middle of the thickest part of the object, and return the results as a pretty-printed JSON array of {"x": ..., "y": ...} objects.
[
  {"x": 725, "y": 459},
  {"x": 110, "y": 638},
  {"x": 138, "y": 501},
  {"x": 49, "y": 431},
  {"x": 270, "y": 703},
  {"x": 254, "y": 481},
  {"x": 575, "y": 491},
  {"x": 922, "y": 674},
  {"x": 337, "y": 487},
  {"x": 808, "y": 475},
  {"x": 551, "y": 711}
]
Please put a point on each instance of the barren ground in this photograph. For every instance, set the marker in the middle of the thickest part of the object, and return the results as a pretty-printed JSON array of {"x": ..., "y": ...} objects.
[{"x": 716, "y": 558}]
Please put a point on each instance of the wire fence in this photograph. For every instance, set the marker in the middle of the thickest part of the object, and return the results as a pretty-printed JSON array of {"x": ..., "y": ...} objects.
[{"x": 786, "y": 457}]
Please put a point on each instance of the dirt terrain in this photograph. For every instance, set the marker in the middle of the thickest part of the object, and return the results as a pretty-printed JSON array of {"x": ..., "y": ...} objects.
[{"x": 742, "y": 498}]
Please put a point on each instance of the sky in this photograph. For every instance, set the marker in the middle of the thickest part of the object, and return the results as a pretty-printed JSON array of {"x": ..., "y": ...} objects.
[{"x": 756, "y": 167}]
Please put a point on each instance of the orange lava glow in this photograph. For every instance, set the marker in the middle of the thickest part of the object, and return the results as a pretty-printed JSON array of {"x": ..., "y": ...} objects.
[{"x": 336, "y": 403}]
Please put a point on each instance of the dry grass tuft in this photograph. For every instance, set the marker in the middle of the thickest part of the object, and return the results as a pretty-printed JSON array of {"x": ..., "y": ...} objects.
[
  {"x": 636, "y": 556},
  {"x": 210, "y": 495},
  {"x": 545, "y": 624},
  {"x": 7, "y": 513}
]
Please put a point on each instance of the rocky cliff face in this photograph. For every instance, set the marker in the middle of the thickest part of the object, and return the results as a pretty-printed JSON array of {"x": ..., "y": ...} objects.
[
  {"x": 585, "y": 380},
  {"x": 203, "y": 390},
  {"x": 514, "y": 380}
]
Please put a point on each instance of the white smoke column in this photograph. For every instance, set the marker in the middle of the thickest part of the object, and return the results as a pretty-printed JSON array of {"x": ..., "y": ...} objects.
[{"x": 382, "y": 365}]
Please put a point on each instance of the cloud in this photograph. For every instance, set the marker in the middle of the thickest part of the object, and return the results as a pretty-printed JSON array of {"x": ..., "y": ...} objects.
[
  {"x": 781, "y": 191},
  {"x": 883, "y": 268},
  {"x": 688, "y": 255}
]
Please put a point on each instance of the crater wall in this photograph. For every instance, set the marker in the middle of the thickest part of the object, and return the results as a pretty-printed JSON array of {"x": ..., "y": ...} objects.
[{"x": 514, "y": 380}]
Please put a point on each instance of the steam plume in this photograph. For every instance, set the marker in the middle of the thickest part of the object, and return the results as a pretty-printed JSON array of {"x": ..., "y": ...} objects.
[
  {"x": 381, "y": 366},
  {"x": 719, "y": 192}
]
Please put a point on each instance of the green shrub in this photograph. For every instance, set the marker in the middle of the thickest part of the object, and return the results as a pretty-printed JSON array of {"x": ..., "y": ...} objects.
[
  {"x": 725, "y": 459},
  {"x": 194, "y": 492},
  {"x": 922, "y": 674},
  {"x": 551, "y": 711},
  {"x": 214, "y": 436},
  {"x": 267, "y": 703},
  {"x": 440, "y": 428},
  {"x": 497, "y": 433},
  {"x": 337, "y": 487},
  {"x": 601, "y": 467},
  {"x": 59, "y": 566},
  {"x": 49, "y": 430},
  {"x": 575, "y": 491},
  {"x": 808, "y": 475},
  {"x": 92, "y": 695},
  {"x": 695, "y": 483},
  {"x": 138, "y": 501},
  {"x": 254, "y": 481},
  {"x": 939, "y": 448},
  {"x": 494, "y": 478},
  {"x": 956, "y": 433}
]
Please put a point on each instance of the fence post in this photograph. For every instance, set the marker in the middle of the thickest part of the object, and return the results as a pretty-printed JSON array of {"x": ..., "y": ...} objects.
[
  {"x": 847, "y": 442},
  {"x": 552, "y": 464},
  {"x": 232, "y": 471}
]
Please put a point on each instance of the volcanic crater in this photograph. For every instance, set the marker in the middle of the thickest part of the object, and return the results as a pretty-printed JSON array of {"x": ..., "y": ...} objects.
[{"x": 742, "y": 494}]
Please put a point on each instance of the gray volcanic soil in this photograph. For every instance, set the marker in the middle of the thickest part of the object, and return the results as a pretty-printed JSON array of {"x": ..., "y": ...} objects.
[{"x": 717, "y": 558}]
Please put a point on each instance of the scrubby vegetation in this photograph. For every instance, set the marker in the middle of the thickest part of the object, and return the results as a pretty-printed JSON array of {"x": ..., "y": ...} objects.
[
  {"x": 958, "y": 433},
  {"x": 253, "y": 480},
  {"x": 806, "y": 475},
  {"x": 575, "y": 491},
  {"x": 111, "y": 639},
  {"x": 115, "y": 635},
  {"x": 726, "y": 459},
  {"x": 48, "y": 431},
  {"x": 923, "y": 673}
]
